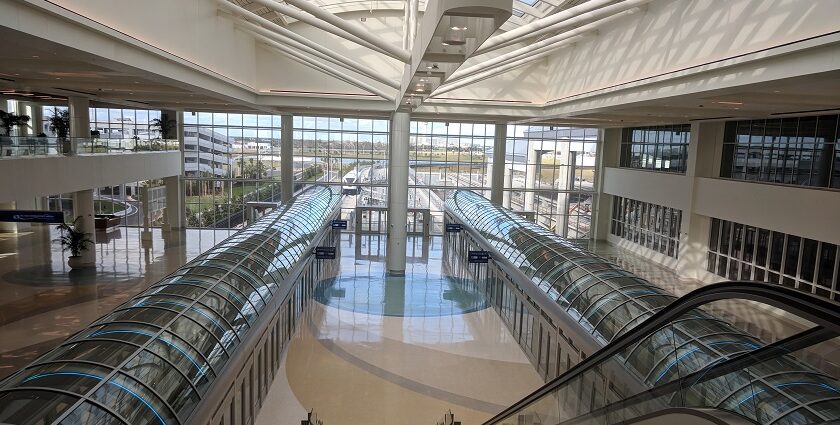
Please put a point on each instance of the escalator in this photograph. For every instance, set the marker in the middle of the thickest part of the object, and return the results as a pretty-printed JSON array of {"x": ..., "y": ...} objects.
[{"x": 776, "y": 383}]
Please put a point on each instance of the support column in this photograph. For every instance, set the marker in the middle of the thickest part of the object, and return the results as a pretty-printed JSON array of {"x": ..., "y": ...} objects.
[
  {"x": 565, "y": 184},
  {"x": 174, "y": 203},
  {"x": 36, "y": 118},
  {"x": 609, "y": 153},
  {"x": 287, "y": 163},
  {"x": 704, "y": 152},
  {"x": 79, "y": 120},
  {"x": 533, "y": 162},
  {"x": 83, "y": 210},
  {"x": 398, "y": 193},
  {"x": 497, "y": 167},
  {"x": 175, "y": 213}
]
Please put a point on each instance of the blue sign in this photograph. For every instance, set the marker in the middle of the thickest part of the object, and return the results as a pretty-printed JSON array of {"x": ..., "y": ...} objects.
[
  {"x": 325, "y": 253},
  {"x": 478, "y": 257},
  {"x": 453, "y": 227},
  {"x": 339, "y": 224},
  {"x": 21, "y": 216}
]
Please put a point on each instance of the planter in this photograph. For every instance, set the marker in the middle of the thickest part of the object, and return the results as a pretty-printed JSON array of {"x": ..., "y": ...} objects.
[{"x": 76, "y": 262}]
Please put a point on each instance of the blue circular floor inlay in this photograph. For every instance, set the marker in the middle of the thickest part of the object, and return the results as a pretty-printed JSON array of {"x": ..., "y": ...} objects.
[{"x": 430, "y": 295}]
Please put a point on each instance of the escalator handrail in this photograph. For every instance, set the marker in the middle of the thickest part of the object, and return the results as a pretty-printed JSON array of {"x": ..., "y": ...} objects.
[{"x": 820, "y": 311}]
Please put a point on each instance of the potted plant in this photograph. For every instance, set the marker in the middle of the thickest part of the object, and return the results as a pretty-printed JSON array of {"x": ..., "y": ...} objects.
[
  {"x": 60, "y": 125},
  {"x": 75, "y": 240},
  {"x": 10, "y": 121}
]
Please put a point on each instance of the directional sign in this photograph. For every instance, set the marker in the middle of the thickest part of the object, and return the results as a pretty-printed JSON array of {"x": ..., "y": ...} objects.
[
  {"x": 325, "y": 252},
  {"x": 339, "y": 224},
  {"x": 453, "y": 227},
  {"x": 478, "y": 257},
  {"x": 20, "y": 216}
]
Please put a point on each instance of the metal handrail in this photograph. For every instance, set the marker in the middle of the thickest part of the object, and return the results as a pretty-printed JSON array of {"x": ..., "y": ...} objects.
[{"x": 820, "y": 311}]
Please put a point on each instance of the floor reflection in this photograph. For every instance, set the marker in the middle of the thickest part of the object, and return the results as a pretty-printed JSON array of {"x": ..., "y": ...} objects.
[{"x": 44, "y": 300}]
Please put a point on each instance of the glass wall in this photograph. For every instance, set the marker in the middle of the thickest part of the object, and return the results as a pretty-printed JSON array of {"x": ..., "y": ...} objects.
[
  {"x": 229, "y": 159},
  {"x": 347, "y": 152},
  {"x": 662, "y": 148},
  {"x": 114, "y": 123},
  {"x": 649, "y": 225},
  {"x": 801, "y": 151},
  {"x": 739, "y": 251},
  {"x": 550, "y": 173},
  {"x": 447, "y": 156}
]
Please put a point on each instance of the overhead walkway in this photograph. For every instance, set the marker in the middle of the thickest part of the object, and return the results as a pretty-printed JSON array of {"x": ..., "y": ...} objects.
[{"x": 615, "y": 348}]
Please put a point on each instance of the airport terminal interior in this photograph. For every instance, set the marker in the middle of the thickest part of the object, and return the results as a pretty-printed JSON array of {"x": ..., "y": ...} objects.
[{"x": 419, "y": 212}]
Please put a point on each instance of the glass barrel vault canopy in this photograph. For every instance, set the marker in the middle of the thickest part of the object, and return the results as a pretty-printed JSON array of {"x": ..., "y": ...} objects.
[
  {"x": 608, "y": 301},
  {"x": 152, "y": 359}
]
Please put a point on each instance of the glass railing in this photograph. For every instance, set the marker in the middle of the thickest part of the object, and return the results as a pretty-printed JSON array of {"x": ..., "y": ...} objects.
[
  {"x": 787, "y": 381},
  {"x": 22, "y": 146}
]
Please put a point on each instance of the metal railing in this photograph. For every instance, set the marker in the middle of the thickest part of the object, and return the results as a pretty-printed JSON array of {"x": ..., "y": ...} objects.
[
  {"x": 23, "y": 146},
  {"x": 748, "y": 378}
]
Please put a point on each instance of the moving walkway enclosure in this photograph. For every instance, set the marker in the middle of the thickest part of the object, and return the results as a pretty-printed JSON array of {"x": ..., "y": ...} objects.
[
  {"x": 564, "y": 304},
  {"x": 201, "y": 346}
]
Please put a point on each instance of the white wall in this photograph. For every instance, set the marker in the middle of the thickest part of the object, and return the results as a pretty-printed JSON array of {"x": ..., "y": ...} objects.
[
  {"x": 190, "y": 29},
  {"x": 44, "y": 176},
  {"x": 673, "y": 35},
  {"x": 670, "y": 190}
]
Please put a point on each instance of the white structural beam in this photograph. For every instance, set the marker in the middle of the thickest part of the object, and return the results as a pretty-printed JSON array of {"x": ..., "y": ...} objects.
[
  {"x": 319, "y": 21},
  {"x": 492, "y": 72},
  {"x": 593, "y": 9},
  {"x": 286, "y": 36},
  {"x": 548, "y": 45},
  {"x": 395, "y": 52},
  {"x": 334, "y": 58},
  {"x": 322, "y": 67}
]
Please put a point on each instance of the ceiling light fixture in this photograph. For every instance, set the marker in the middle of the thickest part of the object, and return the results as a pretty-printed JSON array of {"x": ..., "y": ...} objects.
[{"x": 730, "y": 103}]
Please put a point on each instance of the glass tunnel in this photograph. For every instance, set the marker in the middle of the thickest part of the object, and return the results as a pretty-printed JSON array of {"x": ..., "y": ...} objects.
[
  {"x": 154, "y": 358},
  {"x": 608, "y": 301}
]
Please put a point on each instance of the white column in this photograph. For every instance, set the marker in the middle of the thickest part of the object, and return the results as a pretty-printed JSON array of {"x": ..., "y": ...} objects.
[
  {"x": 704, "y": 152},
  {"x": 609, "y": 153},
  {"x": 79, "y": 116},
  {"x": 287, "y": 163},
  {"x": 565, "y": 182},
  {"x": 533, "y": 161},
  {"x": 79, "y": 121},
  {"x": 497, "y": 167},
  {"x": 36, "y": 118},
  {"x": 398, "y": 193},
  {"x": 174, "y": 203},
  {"x": 83, "y": 210},
  {"x": 508, "y": 179}
]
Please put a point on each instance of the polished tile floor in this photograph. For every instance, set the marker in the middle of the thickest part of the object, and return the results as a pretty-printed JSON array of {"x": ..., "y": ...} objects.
[
  {"x": 43, "y": 301},
  {"x": 376, "y": 350}
]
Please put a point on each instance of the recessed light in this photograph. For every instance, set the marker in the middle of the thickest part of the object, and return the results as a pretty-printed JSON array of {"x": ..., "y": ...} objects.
[
  {"x": 730, "y": 103},
  {"x": 35, "y": 56}
]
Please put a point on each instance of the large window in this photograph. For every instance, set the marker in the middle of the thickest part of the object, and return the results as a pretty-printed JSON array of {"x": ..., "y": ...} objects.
[
  {"x": 663, "y": 148},
  {"x": 115, "y": 123},
  {"x": 445, "y": 156},
  {"x": 550, "y": 174},
  {"x": 229, "y": 159},
  {"x": 649, "y": 225},
  {"x": 739, "y": 251},
  {"x": 347, "y": 152},
  {"x": 800, "y": 151}
]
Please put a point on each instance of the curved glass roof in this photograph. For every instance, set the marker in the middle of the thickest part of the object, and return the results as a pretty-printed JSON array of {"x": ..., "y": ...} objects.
[
  {"x": 152, "y": 359},
  {"x": 608, "y": 301}
]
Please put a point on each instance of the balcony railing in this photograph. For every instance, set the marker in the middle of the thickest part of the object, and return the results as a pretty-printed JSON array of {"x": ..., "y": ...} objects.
[{"x": 21, "y": 146}]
